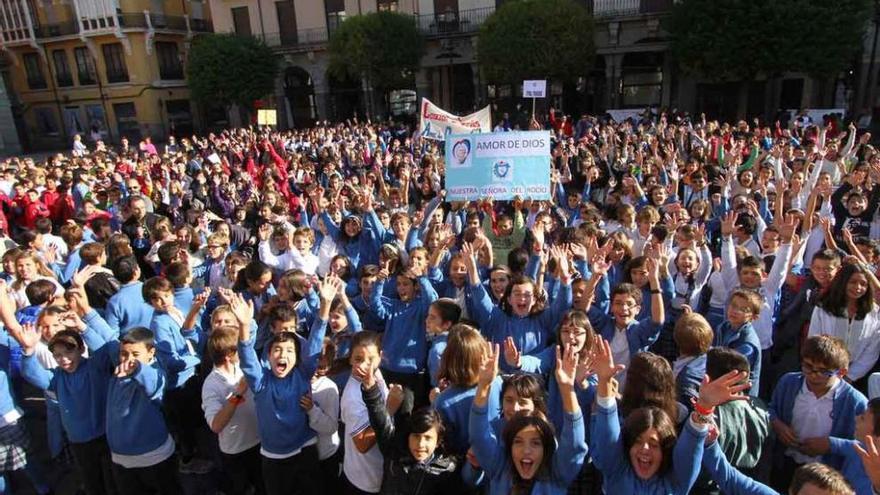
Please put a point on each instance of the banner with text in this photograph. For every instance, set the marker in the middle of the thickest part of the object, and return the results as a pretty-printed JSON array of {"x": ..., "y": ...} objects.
[
  {"x": 437, "y": 123},
  {"x": 499, "y": 165}
]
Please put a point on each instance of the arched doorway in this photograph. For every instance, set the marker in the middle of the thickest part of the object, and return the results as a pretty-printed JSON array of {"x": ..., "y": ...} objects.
[
  {"x": 300, "y": 94},
  {"x": 345, "y": 97}
]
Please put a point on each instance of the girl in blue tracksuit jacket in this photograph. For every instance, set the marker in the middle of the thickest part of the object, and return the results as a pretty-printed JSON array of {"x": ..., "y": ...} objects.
[
  {"x": 522, "y": 318},
  {"x": 514, "y": 463},
  {"x": 645, "y": 457},
  {"x": 404, "y": 343},
  {"x": 289, "y": 452}
]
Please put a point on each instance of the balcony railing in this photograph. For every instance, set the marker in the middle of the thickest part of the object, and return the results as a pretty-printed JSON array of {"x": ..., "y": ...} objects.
[
  {"x": 300, "y": 38},
  {"x": 59, "y": 29},
  {"x": 453, "y": 22},
  {"x": 137, "y": 20},
  {"x": 619, "y": 8}
]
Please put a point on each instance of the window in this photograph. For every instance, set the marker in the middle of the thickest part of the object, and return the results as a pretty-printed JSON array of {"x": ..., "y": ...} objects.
[
  {"x": 47, "y": 124},
  {"x": 35, "y": 78},
  {"x": 287, "y": 21},
  {"x": 241, "y": 21},
  {"x": 114, "y": 63},
  {"x": 62, "y": 68},
  {"x": 85, "y": 66},
  {"x": 126, "y": 121},
  {"x": 387, "y": 5},
  {"x": 169, "y": 60},
  {"x": 335, "y": 10}
]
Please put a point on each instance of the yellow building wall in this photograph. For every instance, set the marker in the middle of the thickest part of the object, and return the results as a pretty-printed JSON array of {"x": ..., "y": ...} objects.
[{"x": 145, "y": 90}]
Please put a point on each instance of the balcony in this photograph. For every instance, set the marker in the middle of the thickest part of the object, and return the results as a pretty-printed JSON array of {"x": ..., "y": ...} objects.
[
  {"x": 56, "y": 30},
  {"x": 625, "y": 8},
  {"x": 452, "y": 22},
  {"x": 303, "y": 38}
]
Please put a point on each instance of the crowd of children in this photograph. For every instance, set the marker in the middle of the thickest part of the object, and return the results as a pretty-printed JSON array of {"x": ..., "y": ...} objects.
[{"x": 695, "y": 310}]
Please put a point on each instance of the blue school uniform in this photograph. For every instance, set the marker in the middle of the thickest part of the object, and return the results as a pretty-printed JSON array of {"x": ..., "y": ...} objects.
[
  {"x": 183, "y": 299},
  {"x": 852, "y": 469},
  {"x": 80, "y": 395},
  {"x": 728, "y": 478},
  {"x": 283, "y": 424},
  {"x": 618, "y": 475},
  {"x": 435, "y": 354},
  {"x": 404, "y": 343},
  {"x": 639, "y": 334},
  {"x": 127, "y": 309},
  {"x": 531, "y": 334},
  {"x": 745, "y": 341},
  {"x": 847, "y": 404},
  {"x": 568, "y": 459},
  {"x": 454, "y": 406},
  {"x": 135, "y": 423},
  {"x": 689, "y": 380},
  {"x": 175, "y": 354}
]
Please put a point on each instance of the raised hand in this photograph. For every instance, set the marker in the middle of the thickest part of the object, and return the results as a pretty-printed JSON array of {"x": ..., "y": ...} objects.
[
  {"x": 566, "y": 366},
  {"x": 395, "y": 398},
  {"x": 330, "y": 288},
  {"x": 126, "y": 368},
  {"x": 201, "y": 299},
  {"x": 728, "y": 223},
  {"x": 723, "y": 389},
  {"x": 81, "y": 277},
  {"x": 603, "y": 362},
  {"x": 29, "y": 338},
  {"x": 242, "y": 310},
  {"x": 788, "y": 227},
  {"x": 489, "y": 365},
  {"x": 264, "y": 232},
  {"x": 870, "y": 459},
  {"x": 512, "y": 356}
]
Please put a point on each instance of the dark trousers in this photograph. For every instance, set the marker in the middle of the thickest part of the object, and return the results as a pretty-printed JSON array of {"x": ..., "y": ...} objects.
[
  {"x": 244, "y": 470},
  {"x": 331, "y": 468},
  {"x": 349, "y": 489},
  {"x": 159, "y": 479},
  {"x": 94, "y": 465},
  {"x": 415, "y": 389},
  {"x": 783, "y": 472},
  {"x": 183, "y": 413},
  {"x": 296, "y": 475}
]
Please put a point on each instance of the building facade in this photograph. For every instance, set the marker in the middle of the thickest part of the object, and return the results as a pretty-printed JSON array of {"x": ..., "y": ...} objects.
[{"x": 99, "y": 68}]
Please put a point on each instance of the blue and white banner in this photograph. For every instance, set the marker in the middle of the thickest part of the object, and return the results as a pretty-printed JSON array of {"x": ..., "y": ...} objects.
[{"x": 499, "y": 165}]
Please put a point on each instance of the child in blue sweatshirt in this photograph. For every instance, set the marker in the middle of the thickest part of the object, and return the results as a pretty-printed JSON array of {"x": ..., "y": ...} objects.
[
  {"x": 141, "y": 448},
  {"x": 442, "y": 315},
  {"x": 177, "y": 337},
  {"x": 646, "y": 456},
  {"x": 404, "y": 343},
  {"x": 127, "y": 308},
  {"x": 810, "y": 406},
  {"x": 290, "y": 455},
  {"x": 521, "y": 313},
  {"x": 738, "y": 333},
  {"x": 80, "y": 387},
  {"x": 524, "y": 460}
]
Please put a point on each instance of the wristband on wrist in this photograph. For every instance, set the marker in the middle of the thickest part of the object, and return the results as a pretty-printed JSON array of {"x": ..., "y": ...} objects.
[
  {"x": 236, "y": 399},
  {"x": 701, "y": 410}
]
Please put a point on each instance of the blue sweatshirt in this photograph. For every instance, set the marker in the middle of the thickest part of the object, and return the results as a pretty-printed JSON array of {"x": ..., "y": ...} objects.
[
  {"x": 847, "y": 404},
  {"x": 531, "y": 334},
  {"x": 183, "y": 299},
  {"x": 639, "y": 334},
  {"x": 81, "y": 395},
  {"x": 729, "y": 479},
  {"x": 568, "y": 459},
  {"x": 176, "y": 356},
  {"x": 617, "y": 472},
  {"x": 135, "y": 424},
  {"x": 283, "y": 424},
  {"x": 745, "y": 341},
  {"x": 404, "y": 343},
  {"x": 852, "y": 469},
  {"x": 126, "y": 309},
  {"x": 454, "y": 406},
  {"x": 435, "y": 354}
]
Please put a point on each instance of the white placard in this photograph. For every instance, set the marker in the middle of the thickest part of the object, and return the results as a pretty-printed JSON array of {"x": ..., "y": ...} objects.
[{"x": 535, "y": 89}]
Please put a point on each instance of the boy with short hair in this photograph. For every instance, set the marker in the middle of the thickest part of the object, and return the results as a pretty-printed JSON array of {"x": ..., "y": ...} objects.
[
  {"x": 298, "y": 256},
  {"x": 627, "y": 335},
  {"x": 230, "y": 412},
  {"x": 693, "y": 336},
  {"x": 127, "y": 308},
  {"x": 176, "y": 336},
  {"x": 180, "y": 276},
  {"x": 738, "y": 333},
  {"x": 141, "y": 448},
  {"x": 810, "y": 406},
  {"x": 101, "y": 285}
]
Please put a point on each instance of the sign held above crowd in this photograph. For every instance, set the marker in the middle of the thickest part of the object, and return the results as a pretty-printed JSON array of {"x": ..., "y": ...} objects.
[
  {"x": 500, "y": 165},
  {"x": 437, "y": 123}
]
